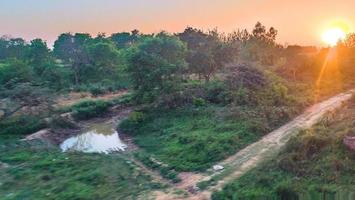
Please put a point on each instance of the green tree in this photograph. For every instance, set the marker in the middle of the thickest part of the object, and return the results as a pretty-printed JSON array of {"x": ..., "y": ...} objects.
[
  {"x": 125, "y": 39},
  {"x": 13, "y": 48},
  {"x": 261, "y": 45},
  {"x": 72, "y": 50},
  {"x": 156, "y": 66},
  {"x": 13, "y": 72},
  {"x": 207, "y": 52},
  {"x": 39, "y": 55},
  {"x": 105, "y": 59}
]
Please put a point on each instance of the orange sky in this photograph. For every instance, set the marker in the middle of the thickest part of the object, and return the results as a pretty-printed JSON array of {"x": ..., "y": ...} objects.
[{"x": 300, "y": 21}]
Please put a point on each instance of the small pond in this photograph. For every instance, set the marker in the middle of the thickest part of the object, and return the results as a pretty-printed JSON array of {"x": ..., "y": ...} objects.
[{"x": 98, "y": 137}]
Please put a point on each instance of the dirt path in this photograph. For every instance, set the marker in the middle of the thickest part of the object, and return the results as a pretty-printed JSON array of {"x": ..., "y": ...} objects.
[{"x": 265, "y": 148}]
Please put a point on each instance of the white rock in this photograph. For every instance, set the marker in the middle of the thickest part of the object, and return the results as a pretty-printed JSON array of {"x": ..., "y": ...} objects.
[{"x": 218, "y": 167}]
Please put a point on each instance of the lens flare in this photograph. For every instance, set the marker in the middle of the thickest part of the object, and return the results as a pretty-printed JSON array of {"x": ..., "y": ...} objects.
[{"x": 333, "y": 36}]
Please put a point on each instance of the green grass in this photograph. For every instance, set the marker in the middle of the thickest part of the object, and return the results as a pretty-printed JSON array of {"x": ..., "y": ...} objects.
[
  {"x": 194, "y": 138},
  {"x": 20, "y": 125},
  {"x": 37, "y": 171},
  {"x": 313, "y": 165}
]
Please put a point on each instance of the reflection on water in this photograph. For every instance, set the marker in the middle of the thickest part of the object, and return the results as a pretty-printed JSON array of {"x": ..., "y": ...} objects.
[{"x": 99, "y": 138}]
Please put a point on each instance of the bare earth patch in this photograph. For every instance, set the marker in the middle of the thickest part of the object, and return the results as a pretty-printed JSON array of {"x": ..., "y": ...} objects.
[{"x": 74, "y": 97}]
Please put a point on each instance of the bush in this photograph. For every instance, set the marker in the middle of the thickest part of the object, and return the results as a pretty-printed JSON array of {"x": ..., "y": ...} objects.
[
  {"x": 165, "y": 171},
  {"x": 284, "y": 192},
  {"x": 198, "y": 102},
  {"x": 216, "y": 92},
  {"x": 100, "y": 88},
  {"x": 61, "y": 123},
  {"x": 21, "y": 125},
  {"x": 89, "y": 109},
  {"x": 126, "y": 99},
  {"x": 96, "y": 90},
  {"x": 133, "y": 121}
]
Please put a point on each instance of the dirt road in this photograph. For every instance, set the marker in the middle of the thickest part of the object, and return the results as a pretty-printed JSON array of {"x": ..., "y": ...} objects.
[{"x": 265, "y": 148}]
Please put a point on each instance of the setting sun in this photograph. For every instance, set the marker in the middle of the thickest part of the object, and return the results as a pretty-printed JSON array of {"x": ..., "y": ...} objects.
[{"x": 333, "y": 36}]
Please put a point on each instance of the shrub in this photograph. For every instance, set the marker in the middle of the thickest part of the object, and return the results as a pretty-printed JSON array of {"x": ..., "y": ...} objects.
[
  {"x": 284, "y": 192},
  {"x": 132, "y": 122},
  {"x": 21, "y": 125},
  {"x": 126, "y": 99},
  {"x": 246, "y": 76},
  {"x": 165, "y": 171},
  {"x": 61, "y": 122},
  {"x": 216, "y": 92},
  {"x": 96, "y": 90},
  {"x": 89, "y": 109},
  {"x": 198, "y": 102}
]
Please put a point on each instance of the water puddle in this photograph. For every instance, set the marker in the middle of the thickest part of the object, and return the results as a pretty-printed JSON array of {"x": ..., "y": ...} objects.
[{"x": 96, "y": 138}]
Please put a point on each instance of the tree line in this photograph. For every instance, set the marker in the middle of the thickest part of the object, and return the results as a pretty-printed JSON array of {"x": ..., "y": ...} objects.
[{"x": 151, "y": 64}]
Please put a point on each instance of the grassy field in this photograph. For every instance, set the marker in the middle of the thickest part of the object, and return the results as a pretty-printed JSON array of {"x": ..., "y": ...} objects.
[
  {"x": 314, "y": 165},
  {"x": 194, "y": 138},
  {"x": 38, "y": 171}
]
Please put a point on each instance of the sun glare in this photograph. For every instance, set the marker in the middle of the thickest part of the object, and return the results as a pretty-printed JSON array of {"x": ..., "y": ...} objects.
[{"x": 333, "y": 36}]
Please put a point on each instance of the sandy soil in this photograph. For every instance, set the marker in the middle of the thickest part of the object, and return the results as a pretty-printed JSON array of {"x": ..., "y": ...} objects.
[{"x": 74, "y": 97}]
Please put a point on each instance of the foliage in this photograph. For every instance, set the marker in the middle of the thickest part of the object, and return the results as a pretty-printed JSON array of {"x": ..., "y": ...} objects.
[
  {"x": 239, "y": 76},
  {"x": 38, "y": 172},
  {"x": 39, "y": 55},
  {"x": 96, "y": 90},
  {"x": 313, "y": 165},
  {"x": 104, "y": 58},
  {"x": 13, "y": 72},
  {"x": 21, "y": 125},
  {"x": 164, "y": 170},
  {"x": 58, "y": 122},
  {"x": 261, "y": 46},
  {"x": 251, "y": 86},
  {"x": 34, "y": 99},
  {"x": 155, "y": 66},
  {"x": 191, "y": 139},
  {"x": 89, "y": 59},
  {"x": 13, "y": 48},
  {"x": 125, "y": 39},
  {"x": 207, "y": 52},
  {"x": 134, "y": 119},
  {"x": 213, "y": 120},
  {"x": 90, "y": 109}
]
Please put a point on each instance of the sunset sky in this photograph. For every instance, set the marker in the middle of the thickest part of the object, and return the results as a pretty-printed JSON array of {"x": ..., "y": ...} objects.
[{"x": 301, "y": 21}]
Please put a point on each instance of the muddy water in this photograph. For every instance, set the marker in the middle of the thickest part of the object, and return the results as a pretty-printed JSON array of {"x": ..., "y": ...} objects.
[{"x": 97, "y": 137}]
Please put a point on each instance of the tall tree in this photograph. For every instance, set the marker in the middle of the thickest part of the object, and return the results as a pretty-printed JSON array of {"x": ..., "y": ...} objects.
[
  {"x": 39, "y": 55},
  {"x": 156, "y": 65},
  {"x": 125, "y": 39},
  {"x": 207, "y": 52},
  {"x": 261, "y": 46},
  {"x": 104, "y": 59},
  {"x": 13, "y": 48},
  {"x": 72, "y": 50}
]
